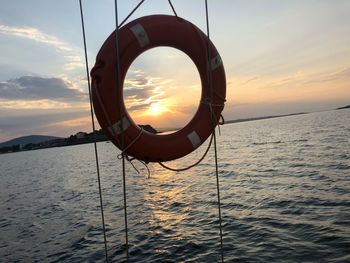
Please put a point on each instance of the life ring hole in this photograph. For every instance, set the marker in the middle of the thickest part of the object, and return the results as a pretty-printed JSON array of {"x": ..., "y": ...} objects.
[{"x": 162, "y": 89}]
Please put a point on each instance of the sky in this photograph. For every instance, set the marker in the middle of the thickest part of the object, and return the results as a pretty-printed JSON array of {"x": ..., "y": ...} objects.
[{"x": 279, "y": 56}]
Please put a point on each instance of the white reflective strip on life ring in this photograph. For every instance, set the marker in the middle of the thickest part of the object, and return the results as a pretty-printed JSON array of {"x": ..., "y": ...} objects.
[
  {"x": 215, "y": 62},
  {"x": 194, "y": 138},
  {"x": 117, "y": 127},
  {"x": 140, "y": 34}
]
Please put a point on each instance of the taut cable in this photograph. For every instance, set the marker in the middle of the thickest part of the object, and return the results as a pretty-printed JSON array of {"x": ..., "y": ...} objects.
[
  {"x": 93, "y": 128},
  {"x": 214, "y": 133},
  {"x": 130, "y": 14},
  {"x": 117, "y": 57},
  {"x": 172, "y": 7}
]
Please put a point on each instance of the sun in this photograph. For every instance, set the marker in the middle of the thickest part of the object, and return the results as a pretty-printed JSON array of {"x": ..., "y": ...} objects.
[{"x": 156, "y": 109}]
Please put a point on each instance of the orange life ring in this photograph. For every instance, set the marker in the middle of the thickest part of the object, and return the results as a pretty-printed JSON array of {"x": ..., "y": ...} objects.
[{"x": 134, "y": 38}]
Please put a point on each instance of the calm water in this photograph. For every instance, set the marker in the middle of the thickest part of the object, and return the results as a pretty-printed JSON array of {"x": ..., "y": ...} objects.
[{"x": 285, "y": 188}]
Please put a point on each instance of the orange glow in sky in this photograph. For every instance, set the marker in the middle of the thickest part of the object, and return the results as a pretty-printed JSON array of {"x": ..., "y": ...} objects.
[{"x": 157, "y": 109}]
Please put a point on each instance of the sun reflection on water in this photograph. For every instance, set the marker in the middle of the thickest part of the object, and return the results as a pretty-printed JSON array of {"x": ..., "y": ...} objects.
[{"x": 166, "y": 198}]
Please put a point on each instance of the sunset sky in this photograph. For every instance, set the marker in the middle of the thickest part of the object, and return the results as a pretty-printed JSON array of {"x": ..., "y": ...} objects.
[{"x": 279, "y": 56}]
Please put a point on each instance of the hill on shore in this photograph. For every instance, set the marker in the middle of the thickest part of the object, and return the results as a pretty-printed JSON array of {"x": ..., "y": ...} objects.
[{"x": 28, "y": 139}]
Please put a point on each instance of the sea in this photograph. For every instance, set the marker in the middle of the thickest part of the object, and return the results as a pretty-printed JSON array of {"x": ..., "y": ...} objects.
[{"x": 284, "y": 188}]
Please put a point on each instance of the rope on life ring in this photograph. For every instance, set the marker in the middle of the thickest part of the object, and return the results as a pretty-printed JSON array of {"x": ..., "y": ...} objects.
[{"x": 135, "y": 38}]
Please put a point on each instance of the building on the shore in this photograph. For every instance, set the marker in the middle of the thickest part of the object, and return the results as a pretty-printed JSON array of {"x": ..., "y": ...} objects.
[{"x": 80, "y": 135}]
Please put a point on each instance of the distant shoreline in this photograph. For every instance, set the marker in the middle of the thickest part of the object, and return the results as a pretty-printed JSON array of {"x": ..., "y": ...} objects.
[
  {"x": 165, "y": 130},
  {"x": 99, "y": 136},
  {"x": 342, "y": 108},
  {"x": 265, "y": 117}
]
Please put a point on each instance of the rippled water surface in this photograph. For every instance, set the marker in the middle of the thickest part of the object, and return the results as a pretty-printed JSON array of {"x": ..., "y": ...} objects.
[{"x": 285, "y": 190}]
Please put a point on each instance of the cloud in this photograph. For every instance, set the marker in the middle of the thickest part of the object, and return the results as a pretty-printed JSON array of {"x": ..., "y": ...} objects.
[
  {"x": 138, "y": 106},
  {"x": 288, "y": 80},
  {"x": 31, "y": 88},
  {"x": 299, "y": 79},
  {"x": 42, "y": 104},
  {"x": 140, "y": 91},
  {"x": 36, "y": 35},
  {"x": 137, "y": 93},
  {"x": 340, "y": 74},
  {"x": 252, "y": 79},
  {"x": 292, "y": 80},
  {"x": 73, "y": 61}
]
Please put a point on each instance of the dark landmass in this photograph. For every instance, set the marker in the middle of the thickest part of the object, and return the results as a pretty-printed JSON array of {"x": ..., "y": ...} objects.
[
  {"x": 35, "y": 142},
  {"x": 79, "y": 138},
  {"x": 265, "y": 117},
  {"x": 28, "y": 139},
  {"x": 345, "y": 107}
]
